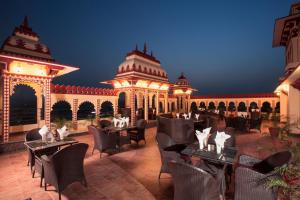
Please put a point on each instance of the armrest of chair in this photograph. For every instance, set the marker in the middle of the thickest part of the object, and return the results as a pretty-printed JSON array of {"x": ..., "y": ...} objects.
[{"x": 248, "y": 160}]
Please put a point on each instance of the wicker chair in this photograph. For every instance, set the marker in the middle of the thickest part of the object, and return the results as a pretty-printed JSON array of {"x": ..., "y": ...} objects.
[
  {"x": 137, "y": 134},
  {"x": 65, "y": 167},
  {"x": 164, "y": 141},
  {"x": 193, "y": 183},
  {"x": 250, "y": 184},
  {"x": 102, "y": 141},
  {"x": 34, "y": 157}
]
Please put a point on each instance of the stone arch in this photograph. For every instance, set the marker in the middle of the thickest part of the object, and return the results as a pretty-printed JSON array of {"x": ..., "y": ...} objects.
[
  {"x": 194, "y": 106},
  {"x": 211, "y": 105},
  {"x": 253, "y": 105},
  {"x": 242, "y": 107},
  {"x": 202, "y": 105},
  {"x": 86, "y": 110},
  {"x": 231, "y": 106},
  {"x": 122, "y": 100},
  {"x": 23, "y": 105},
  {"x": 106, "y": 109},
  {"x": 61, "y": 110},
  {"x": 153, "y": 101},
  {"x": 266, "y": 107},
  {"x": 222, "y": 106}
]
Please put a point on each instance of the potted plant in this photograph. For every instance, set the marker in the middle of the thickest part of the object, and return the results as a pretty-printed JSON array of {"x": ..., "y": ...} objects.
[{"x": 288, "y": 184}]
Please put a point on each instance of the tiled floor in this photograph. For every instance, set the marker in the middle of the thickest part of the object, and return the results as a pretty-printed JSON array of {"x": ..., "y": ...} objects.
[{"x": 131, "y": 174}]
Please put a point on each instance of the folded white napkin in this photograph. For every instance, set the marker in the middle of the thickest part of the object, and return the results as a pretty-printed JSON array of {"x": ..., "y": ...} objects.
[
  {"x": 115, "y": 121},
  {"x": 203, "y": 137},
  {"x": 220, "y": 139},
  {"x": 63, "y": 132},
  {"x": 185, "y": 116},
  {"x": 217, "y": 111},
  {"x": 43, "y": 132},
  {"x": 190, "y": 115},
  {"x": 177, "y": 115},
  {"x": 197, "y": 116},
  {"x": 127, "y": 121},
  {"x": 121, "y": 122}
]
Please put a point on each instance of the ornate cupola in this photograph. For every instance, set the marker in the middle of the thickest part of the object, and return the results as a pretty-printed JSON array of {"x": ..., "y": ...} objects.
[
  {"x": 141, "y": 70},
  {"x": 25, "y": 43},
  {"x": 286, "y": 34},
  {"x": 182, "y": 86}
]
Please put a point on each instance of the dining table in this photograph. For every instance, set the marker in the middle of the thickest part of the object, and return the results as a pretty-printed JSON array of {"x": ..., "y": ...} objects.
[
  {"x": 122, "y": 135},
  {"x": 227, "y": 156},
  {"x": 39, "y": 145}
]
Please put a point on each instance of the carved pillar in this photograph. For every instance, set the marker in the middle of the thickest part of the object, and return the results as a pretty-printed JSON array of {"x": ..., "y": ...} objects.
[
  {"x": 74, "y": 113},
  {"x": 157, "y": 102},
  {"x": 116, "y": 106},
  {"x": 146, "y": 105},
  {"x": 5, "y": 108},
  {"x": 98, "y": 107},
  {"x": 132, "y": 107},
  {"x": 47, "y": 96}
]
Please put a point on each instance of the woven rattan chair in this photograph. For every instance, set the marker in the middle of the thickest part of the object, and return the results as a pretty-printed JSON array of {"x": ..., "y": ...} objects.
[
  {"x": 250, "y": 182},
  {"x": 193, "y": 183},
  {"x": 103, "y": 141},
  {"x": 164, "y": 141},
  {"x": 65, "y": 167},
  {"x": 137, "y": 134}
]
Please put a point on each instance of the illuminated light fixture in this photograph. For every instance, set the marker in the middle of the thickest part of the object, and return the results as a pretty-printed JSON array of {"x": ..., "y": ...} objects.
[
  {"x": 178, "y": 92},
  {"x": 141, "y": 83},
  {"x": 18, "y": 69},
  {"x": 188, "y": 92},
  {"x": 164, "y": 87},
  {"x": 125, "y": 84},
  {"x": 154, "y": 86},
  {"x": 117, "y": 85}
]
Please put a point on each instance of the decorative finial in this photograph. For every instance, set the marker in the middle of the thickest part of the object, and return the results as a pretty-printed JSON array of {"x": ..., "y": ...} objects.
[
  {"x": 136, "y": 47},
  {"x": 145, "y": 48},
  {"x": 25, "y": 22}
]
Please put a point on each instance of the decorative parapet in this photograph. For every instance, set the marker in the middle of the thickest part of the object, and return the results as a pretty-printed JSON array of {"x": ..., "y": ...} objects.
[
  {"x": 258, "y": 95},
  {"x": 62, "y": 89}
]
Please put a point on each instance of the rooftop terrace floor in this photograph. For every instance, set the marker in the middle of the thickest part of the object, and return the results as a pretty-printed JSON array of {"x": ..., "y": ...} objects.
[{"x": 131, "y": 174}]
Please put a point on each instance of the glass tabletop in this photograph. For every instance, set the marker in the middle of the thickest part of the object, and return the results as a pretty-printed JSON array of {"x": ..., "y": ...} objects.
[
  {"x": 39, "y": 144},
  {"x": 115, "y": 129},
  {"x": 227, "y": 156}
]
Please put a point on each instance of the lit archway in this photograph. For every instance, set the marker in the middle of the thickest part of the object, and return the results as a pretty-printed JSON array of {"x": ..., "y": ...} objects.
[
  {"x": 253, "y": 105},
  {"x": 86, "y": 110},
  {"x": 242, "y": 107},
  {"x": 194, "y": 106},
  {"x": 202, "y": 105},
  {"x": 23, "y": 106},
  {"x": 231, "y": 107},
  {"x": 61, "y": 110},
  {"x": 211, "y": 106},
  {"x": 277, "y": 108},
  {"x": 221, "y": 106},
  {"x": 266, "y": 107},
  {"x": 121, "y": 100},
  {"x": 107, "y": 109},
  {"x": 173, "y": 107}
]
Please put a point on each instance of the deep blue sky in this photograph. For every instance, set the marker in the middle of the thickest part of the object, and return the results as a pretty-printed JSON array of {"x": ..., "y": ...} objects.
[{"x": 223, "y": 47}]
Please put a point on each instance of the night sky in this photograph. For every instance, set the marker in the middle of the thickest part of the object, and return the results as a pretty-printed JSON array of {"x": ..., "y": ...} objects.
[{"x": 223, "y": 47}]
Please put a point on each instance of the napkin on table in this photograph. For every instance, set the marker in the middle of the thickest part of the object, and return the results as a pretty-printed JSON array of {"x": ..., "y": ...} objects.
[
  {"x": 220, "y": 139},
  {"x": 202, "y": 137},
  {"x": 185, "y": 116},
  {"x": 177, "y": 115},
  {"x": 63, "y": 132},
  {"x": 43, "y": 132},
  {"x": 197, "y": 116}
]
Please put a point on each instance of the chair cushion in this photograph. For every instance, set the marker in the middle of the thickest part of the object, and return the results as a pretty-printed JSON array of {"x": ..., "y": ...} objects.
[
  {"x": 270, "y": 163},
  {"x": 176, "y": 147}
]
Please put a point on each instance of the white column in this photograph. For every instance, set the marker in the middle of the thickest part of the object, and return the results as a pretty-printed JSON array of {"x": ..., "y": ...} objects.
[
  {"x": 5, "y": 108},
  {"x": 146, "y": 105},
  {"x": 157, "y": 102},
  {"x": 47, "y": 96},
  {"x": 132, "y": 107}
]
